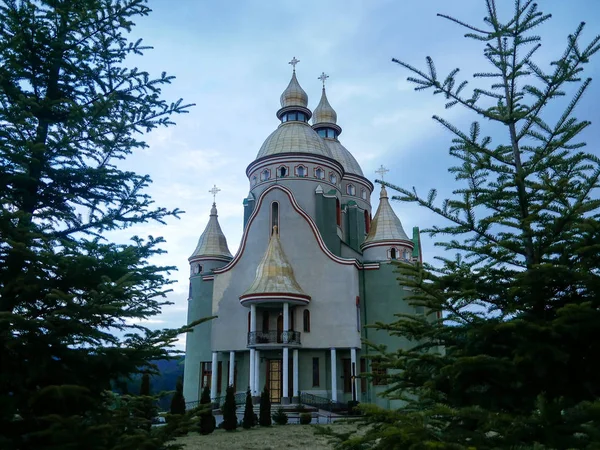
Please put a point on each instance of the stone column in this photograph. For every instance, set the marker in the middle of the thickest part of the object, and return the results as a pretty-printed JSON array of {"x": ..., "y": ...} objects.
[
  {"x": 231, "y": 381},
  {"x": 213, "y": 377},
  {"x": 296, "y": 389},
  {"x": 333, "y": 376},
  {"x": 257, "y": 387},
  {"x": 354, "y": 372},
  {"x": 286, "y": 356}
]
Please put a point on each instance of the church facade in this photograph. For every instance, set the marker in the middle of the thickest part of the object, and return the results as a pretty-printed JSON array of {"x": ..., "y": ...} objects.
[{"x": 313, "y": 267}]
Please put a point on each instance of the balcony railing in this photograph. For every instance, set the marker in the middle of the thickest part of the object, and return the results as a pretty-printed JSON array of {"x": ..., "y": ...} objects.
[{"x": 273, "y": 337}]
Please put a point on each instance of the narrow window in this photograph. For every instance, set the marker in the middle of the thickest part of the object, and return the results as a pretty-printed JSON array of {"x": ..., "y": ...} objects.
[
  {"x": 322, "y": 133},
  {"x": 206, "y": 374},
  {"x": 265, "y": 324},
  {"x": 332, "y": 178},
  {"x": 315, "y": 372},
  {"x": 265, "y": 175},
  {"x": 393, "y": 253},
  {"x": 282, "y": 172},
  {"x": 301, "y": 171},
  {"x": 292, "y": 315},
  {"x": 358, "y": 314},
  {"x": 249, "y": 320},
  {"x": 405, "y": 255},
  {"x": 367, "y": 222},
  {"x": 254, "y": 180},
  {"x": 306, "y": 321},
  {"x": 338, "y": 213},
  {"x": 319, "y": 173},
  {"x": 363, "y": 194},
  {"x": 280, "y": 328},
  {"x": 274, "y": 215},
  {"x": 219, "y": 376},
  {"x": 350, "y": 189}
]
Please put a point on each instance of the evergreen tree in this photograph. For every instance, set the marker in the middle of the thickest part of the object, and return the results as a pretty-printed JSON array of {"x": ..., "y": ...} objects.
[
  {"x": 249, "y": 420},
  {"x": 229, "y": 408},
  {"x": 506, "y": 356},
  {"x": 145, "y": 384},
  {"x": 264, "y": 417},
  {"x": 70, "y": 109},
  {"x": 207, "y": 420},
  {"x": 178, "y": 400}
]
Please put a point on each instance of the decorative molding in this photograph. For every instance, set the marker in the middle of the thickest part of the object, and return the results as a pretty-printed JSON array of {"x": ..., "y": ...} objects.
[{"x": 387, "y": 243}]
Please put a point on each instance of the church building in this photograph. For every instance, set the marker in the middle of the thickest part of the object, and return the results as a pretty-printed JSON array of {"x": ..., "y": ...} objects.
[{"x": 313, "y": 267}]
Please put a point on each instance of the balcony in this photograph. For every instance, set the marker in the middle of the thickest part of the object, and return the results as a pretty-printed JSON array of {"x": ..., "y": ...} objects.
[{"x": 273, "y": 339}]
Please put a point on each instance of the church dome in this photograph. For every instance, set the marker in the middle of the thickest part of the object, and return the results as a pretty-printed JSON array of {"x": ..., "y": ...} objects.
[
  {"x": 212, "y": 242},
  {"x": 386, "y": 225},
  {"x": 324, "y": 113},
  {"x": 294, "y": 137},
  {"x": 294, "y": 95},
  {"x": 342, "y": 155}
]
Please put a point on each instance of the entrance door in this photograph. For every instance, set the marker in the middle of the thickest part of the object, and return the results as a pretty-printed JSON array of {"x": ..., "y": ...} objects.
[{"x": 274, "y": 377}]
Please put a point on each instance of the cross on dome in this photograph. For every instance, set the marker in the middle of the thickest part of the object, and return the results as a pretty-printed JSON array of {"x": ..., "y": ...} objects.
[
  {"x": 293, "y": 62},
  {"x": 323, "y": 77},
  {"x": 382, "y": 171},
  {"x": 214, "y": 191}
]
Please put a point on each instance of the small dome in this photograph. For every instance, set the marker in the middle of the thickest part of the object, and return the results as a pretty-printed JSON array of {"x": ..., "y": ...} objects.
[
  {"x": 294, "y": 95},
  {"x": 386, "y": 225},
  {"x": 294, "y": 137},
  {"x": 344, "y": 157},
  {"x": 212, "y": 242},
  {"x": 324, "y": 113}
]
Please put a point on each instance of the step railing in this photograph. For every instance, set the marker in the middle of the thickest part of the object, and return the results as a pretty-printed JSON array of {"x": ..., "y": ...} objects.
[
  {"x": 240, "y": 399},
  {"x": 323, "y": 403}
]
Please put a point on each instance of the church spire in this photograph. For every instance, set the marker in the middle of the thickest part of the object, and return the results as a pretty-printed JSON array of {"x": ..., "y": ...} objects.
[
  {"x": 212, "y": 241},
  {"x": 324, "y": 116},
  {"x": 294, "y": 95}
]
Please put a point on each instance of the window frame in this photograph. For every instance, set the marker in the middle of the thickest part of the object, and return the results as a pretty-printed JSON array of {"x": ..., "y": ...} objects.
[
  {"x": 306, "y": 321},
  {"x": 305, "y": 171},
  {"x": 315, "y": 173},
  {"x": 316, "y": 382},
  {"x": 264, "y": 171}
]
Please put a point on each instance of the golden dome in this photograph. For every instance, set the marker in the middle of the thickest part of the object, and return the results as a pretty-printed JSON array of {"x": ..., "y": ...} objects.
[
  {"x": 294, "y": 137},
  {"x": 324, "y": 113},
  {"x": 385, "y": 225},
  {"x": 212, "y": 242},
  {"x": 342, "y": 155},
  {"x": 294, "y": 95}
]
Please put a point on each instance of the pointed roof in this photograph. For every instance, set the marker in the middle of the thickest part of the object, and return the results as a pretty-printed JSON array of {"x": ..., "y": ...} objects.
[
  {"x": 212, "y": 242},
  {"x": 324, "y": 113},
  {"x": 274, "y": 275},
  {"x": 386, "y": 225},
  {"x": 294, "y": 95}
]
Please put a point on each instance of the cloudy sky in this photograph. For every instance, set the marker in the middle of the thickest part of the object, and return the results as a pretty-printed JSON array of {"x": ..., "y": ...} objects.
[{"x": 230, "y": 59}]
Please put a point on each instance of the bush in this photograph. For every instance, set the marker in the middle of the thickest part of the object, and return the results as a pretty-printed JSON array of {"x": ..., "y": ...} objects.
[
  {"x": 265, "y": 408},
  {"x": 249, "y": 416},
  {"x": 229, "y": 417},
  {"x": 305, "y": 418},
  {"x": 280, "y": 417},
  {"x": 208, "y": 423},
  {"x": 178, "y": 400}
]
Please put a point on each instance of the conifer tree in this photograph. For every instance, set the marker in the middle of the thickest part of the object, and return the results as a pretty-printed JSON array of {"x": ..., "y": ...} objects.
[
  {"x": 207, "y": 420},
  {"x": 229, "y": 409},
  {"x": 506, "y": 356},
  {"x": 264, "y": 415},
  {"x": 248, "y": 421},
  {"x": 178, "y": 400},
  {"x": 70, "y": 110}
]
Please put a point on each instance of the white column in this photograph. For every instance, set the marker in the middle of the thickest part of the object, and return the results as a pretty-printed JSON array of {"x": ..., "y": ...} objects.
[
  {"x": 257, "y": 387},
  {"x": 286, "y": 355},
  {"x": 231, "y": 381},
  {"x": 296, "y": 391},
  {"x": 213, "y": 377},
  {"x": 251, "y": 382},
  {"x": 354, "y": 365},
  {"x": 333, "y": 376}
]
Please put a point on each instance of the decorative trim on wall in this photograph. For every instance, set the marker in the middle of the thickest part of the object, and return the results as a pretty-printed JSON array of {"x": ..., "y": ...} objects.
[{"x": 387, "y": 244}]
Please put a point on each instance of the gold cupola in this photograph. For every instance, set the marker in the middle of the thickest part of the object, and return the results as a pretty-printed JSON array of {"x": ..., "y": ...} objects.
[
  {"x": 212, "y": 242},
  {"x": 275, "y": 281}
]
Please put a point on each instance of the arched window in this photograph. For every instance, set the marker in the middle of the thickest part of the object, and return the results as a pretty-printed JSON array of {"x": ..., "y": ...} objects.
[
  {"x": 301, "y": 171},
  {"x": 274, "y": 215},
  {"x": 319, "y": 173},
  {"x": 405, "y": 255},
  {"x": 254, "y": 180},
  {"x": 393, "y": 253},
  {"x": 249, "y": 320},
  {"x": 351, "y": 189},
  {"x": 265, "y": 324},
  {"x": 282, "y": 172},
  {"x": 367, "y": 222},
  {"x": 333, "y": 178},
  {"x": 306, "y": 321},
  {"x": 363, "y": 194},
  {"x": 265, "y": 175},
  {"x": 338, "y": 212}
]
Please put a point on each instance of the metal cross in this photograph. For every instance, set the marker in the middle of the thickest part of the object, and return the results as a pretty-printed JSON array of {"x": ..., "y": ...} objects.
[
  {"x": 323, "y": 77},
  {"x": 214, "y": 191},
  {"x": 293, "y": 62},
  {"x": 382, "y": 171}
]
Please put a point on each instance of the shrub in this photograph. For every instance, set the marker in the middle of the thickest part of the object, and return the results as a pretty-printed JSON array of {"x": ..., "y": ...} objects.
[
  {"x": 249, "y": 416},
  {"x": 280, "y": 417},
  {"x": 178, "y": 400},
  {"x": 208, "y": 423},
  {"x": 305, "y": 418},
  {"x": 229, "y": 417},
  {"x": 265, "y": 408}
]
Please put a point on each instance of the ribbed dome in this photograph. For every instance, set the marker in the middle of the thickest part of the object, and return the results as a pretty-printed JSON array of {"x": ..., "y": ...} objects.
[
  {"x": 294, "y": 95},
  {"x": 274, "y": 274},
  {"x": 385, "y": 225},
  {"x": 324, "y": 113},
  {"x": 212, "y": 242},
  {"x": 294, "y": 137},
  {"x": 344, "y": 157}
]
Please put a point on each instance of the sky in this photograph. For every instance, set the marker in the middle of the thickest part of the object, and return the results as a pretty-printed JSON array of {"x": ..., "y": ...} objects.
[{"x": 230, "y": 58}]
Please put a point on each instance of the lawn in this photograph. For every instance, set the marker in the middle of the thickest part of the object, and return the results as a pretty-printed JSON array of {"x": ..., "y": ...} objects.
[{"x": 262, "y": 438}]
